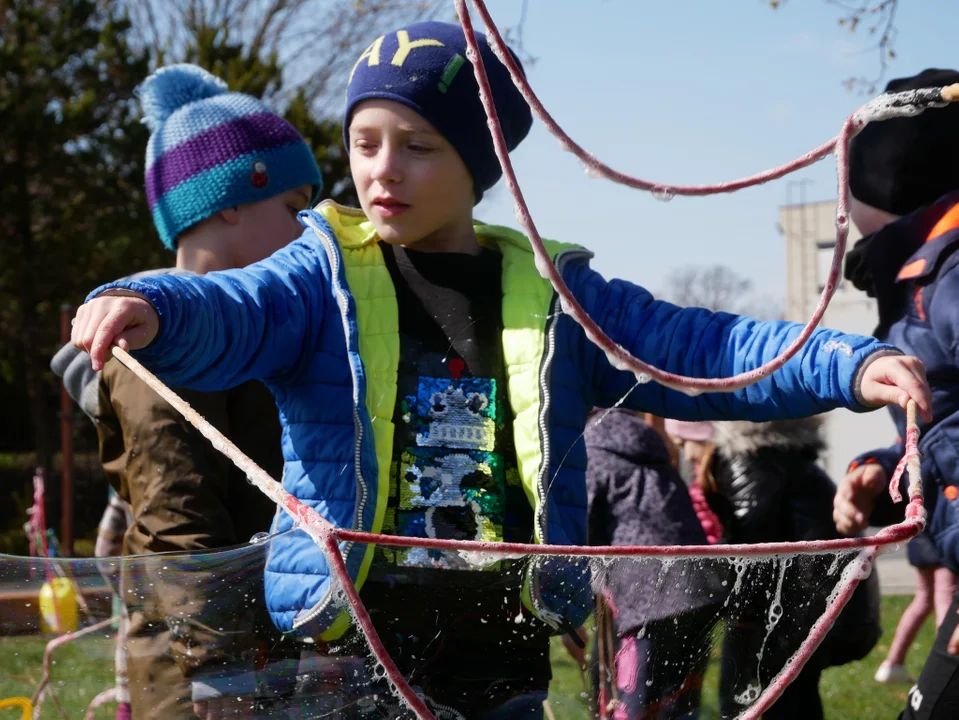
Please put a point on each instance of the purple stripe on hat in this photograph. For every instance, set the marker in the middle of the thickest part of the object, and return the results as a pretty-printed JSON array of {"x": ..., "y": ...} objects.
[{"x": 217, "y": 145}]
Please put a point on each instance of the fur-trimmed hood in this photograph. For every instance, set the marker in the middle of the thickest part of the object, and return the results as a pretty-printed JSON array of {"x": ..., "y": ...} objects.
[{"x": 746, "y": 438}]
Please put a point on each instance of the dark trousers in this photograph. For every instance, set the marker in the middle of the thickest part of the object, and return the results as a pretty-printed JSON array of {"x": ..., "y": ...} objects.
[
  {"x": 936, "y": 693},
  {"x": 799, "y": 701}
]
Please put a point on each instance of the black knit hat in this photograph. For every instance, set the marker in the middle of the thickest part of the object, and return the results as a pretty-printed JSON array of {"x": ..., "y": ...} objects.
[
  {"x": 903, "y": 164},
  {"x": 424, "y": 67}
]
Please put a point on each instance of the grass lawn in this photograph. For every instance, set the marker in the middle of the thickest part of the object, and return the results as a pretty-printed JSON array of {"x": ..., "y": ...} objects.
[
  {"x": 848, "y": 691},
  {"x": 83, "y": 670}
]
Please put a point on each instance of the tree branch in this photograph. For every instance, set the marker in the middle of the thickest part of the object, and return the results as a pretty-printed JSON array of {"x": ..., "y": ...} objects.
[{"x": 879, "y": 16}]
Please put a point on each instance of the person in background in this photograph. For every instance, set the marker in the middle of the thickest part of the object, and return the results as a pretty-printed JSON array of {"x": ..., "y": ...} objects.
[
  {"x": 82, "y": 383},
  {"x": 694, "y": 442},
  {"x": 113, "y": 526},
  {"x": 764, "y": 483},
  {"x": 904, "y": 182},
  {"x": 225, "y": 180},
  {"x": 935, "y": 586},
  {"x": 661, "y": 621}
]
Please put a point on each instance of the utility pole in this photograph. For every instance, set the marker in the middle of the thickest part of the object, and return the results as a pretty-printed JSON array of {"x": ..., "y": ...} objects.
[{"x": 66, "y": 447}]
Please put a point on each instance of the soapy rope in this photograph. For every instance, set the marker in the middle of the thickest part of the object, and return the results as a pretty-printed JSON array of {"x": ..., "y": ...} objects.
[
  {"x": 326, "y": 535},
  {"x": 892, "y": 105}
]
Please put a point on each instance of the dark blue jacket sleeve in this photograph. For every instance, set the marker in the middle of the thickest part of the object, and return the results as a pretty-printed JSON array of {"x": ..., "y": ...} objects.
[
  {"x": 887, "y": 457},
  {"x": 224, "y": 328},
  {"x": 944, "y": 313},
  {"x": 704, "y": 344}
]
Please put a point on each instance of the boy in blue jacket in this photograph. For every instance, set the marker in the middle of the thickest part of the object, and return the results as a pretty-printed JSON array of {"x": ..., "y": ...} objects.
[
  {"x": 429, "y": 386},
  {"x": 904, "y": 178}
]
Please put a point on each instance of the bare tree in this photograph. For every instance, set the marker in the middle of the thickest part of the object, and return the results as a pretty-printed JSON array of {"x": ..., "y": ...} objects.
[
  {"x": 315, "y": 41},
  {"x": 878, "y": 17},
  {"x": 718, "y": 288}
]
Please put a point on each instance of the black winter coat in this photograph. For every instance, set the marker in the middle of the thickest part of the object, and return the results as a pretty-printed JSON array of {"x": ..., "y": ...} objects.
[{"x": 769, "y": 488}]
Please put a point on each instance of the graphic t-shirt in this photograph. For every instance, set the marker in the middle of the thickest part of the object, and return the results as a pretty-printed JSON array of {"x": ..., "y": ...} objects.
[
  {"x": 455, "y": 629},
  {"x": 453, "y": 474}
]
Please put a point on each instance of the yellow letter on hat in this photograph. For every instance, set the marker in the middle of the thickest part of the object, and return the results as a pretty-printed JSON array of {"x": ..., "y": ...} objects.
[
  {"x": 372, "y": 52},
  {"x": 406, "y": 46}
]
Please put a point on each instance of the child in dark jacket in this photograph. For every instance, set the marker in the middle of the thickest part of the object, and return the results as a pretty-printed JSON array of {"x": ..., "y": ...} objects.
[
  {"x": 430, "y": 386},
  {"x": 764, "y": 482},
  {"x": 212, "y": 212},
  {"x": 661, "y": 616},
  {"x": 904, "y": 180}
]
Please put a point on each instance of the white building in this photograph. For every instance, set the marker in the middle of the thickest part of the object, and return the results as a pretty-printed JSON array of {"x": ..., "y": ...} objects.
[{"x": 810, "y": 233}]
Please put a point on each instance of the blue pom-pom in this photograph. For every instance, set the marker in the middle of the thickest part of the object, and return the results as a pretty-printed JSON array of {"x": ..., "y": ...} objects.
[{"x": 172, "y": 87}]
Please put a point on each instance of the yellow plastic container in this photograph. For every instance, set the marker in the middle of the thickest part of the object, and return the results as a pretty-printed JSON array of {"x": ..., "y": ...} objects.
[
  {"x": 19, "y": 702},
  {"x": 58, "y": 606}
]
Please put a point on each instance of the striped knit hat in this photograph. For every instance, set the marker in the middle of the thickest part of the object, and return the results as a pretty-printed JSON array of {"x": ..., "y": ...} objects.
[{"x": 211, "y": 149}]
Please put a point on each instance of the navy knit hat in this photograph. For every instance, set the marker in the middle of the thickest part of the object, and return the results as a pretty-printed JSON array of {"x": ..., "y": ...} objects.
[
  {"x": 424, "y": 67},
  {"x": 211, "y": 149},
  {"x": 903, "y": 164}
]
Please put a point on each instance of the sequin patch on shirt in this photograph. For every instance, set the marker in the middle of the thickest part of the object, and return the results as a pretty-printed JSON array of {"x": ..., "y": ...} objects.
[{"x": 451, "y": 484}]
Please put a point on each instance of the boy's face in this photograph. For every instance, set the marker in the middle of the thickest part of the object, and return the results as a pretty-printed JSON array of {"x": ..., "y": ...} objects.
[
  {"x": 412, "y": 184},
  {"x": 264, "y": 227}
]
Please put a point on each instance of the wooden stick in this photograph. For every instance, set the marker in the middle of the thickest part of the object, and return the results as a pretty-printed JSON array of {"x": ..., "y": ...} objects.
[{"x": 913, "y": 467}]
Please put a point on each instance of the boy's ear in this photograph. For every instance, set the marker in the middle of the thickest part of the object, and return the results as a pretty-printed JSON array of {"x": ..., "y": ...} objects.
[{"x": 230, "y": 215}]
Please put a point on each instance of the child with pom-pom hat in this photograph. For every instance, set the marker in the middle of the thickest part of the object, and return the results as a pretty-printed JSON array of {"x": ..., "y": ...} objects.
[{"x": 225, "y": 179}]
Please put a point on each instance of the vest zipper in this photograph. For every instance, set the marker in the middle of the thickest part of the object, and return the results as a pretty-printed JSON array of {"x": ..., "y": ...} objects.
[{"x": 335, "y": 260}]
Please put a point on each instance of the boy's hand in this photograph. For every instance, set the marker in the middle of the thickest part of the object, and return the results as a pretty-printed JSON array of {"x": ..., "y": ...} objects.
[
  {"x": 894, "y": 380},
  {"x": 856, "y": 497},
  {"x": 128, "y": 321}
]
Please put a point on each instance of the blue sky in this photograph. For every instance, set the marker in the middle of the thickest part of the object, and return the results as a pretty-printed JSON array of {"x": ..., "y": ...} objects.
[{"x": 692, "y": 91}]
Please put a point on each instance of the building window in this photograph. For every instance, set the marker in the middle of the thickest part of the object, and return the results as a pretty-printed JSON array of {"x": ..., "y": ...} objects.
[{"x": 824, "y": 253}]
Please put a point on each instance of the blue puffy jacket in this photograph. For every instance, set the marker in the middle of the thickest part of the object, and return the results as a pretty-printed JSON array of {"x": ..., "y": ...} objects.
[
  {"x": 317, "y": 323},
  {"x": 919, "y": 312}
]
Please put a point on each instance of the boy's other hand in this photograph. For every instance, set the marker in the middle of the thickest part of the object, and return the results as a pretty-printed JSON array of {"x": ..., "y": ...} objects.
[
  {"x": 894, "y": 380},
  {"x": 127, "y": 321},
  {"x": 856, "y": 497}
]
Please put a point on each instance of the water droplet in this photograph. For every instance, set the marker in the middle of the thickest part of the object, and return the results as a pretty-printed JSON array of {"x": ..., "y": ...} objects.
[{"x": 662, "y": 194}]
